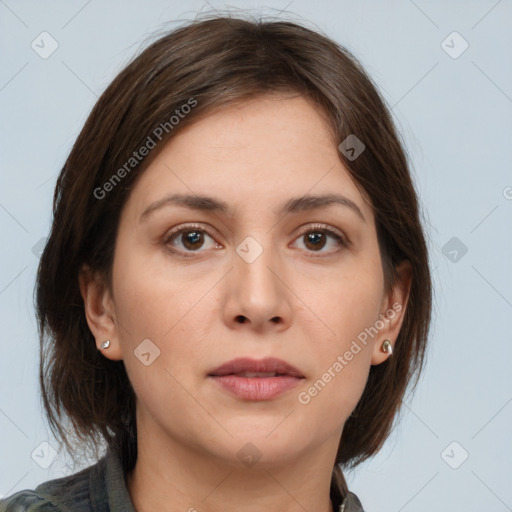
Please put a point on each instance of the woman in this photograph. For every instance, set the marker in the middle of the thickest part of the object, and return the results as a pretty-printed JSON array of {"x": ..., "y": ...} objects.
[{"x": 235, "y": 293}]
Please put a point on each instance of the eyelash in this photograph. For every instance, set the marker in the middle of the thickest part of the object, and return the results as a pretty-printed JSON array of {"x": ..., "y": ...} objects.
[{"x": 316, "y": 228}]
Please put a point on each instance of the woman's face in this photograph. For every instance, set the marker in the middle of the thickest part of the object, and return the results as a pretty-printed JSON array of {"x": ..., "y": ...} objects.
[{"x": 271, "y": 275}]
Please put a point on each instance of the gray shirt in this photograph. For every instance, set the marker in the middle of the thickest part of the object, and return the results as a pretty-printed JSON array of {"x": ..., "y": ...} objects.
[{"x": 97, "y": 488}]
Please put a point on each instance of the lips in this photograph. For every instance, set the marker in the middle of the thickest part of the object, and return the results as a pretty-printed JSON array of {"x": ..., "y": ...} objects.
[
  {"x": 253, "y": 368},
  {"x": 252, "y": 380}
]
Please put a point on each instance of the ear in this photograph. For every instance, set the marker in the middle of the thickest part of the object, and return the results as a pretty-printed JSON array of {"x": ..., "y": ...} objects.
[
  {"x": 99, "y": 312},
  {"x": 394, "y": 305}
]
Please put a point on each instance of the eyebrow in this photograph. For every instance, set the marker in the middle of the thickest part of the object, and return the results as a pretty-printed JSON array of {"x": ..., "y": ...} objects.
[{"x": 210, "y": 204}]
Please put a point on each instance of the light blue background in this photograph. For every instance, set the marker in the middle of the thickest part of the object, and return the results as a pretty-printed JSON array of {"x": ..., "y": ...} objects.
[{"x": 456, "y": 117}]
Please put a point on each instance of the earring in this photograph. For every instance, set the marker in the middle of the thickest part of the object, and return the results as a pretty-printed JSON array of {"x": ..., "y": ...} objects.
[
  {"x": 387, "y": 347},
  {"x": 105, "y": 344}
]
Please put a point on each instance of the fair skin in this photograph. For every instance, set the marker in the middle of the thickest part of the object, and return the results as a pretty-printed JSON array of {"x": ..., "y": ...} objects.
[{"x": 300, "y": 302}]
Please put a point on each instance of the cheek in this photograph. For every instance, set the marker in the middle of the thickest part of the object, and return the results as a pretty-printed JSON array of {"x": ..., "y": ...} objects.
[
  {"x": 348, "y": 305},
  {"x": 150, "y": 306},
  {"x": 152, "y": 298},
  {"x": 343, "y": 363},
  {"x": 346, "y": 300},
  {"x": 160, "y": 302}
]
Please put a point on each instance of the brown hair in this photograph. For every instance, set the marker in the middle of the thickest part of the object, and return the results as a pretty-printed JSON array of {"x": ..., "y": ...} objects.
[{"x": 212, "y": 63}]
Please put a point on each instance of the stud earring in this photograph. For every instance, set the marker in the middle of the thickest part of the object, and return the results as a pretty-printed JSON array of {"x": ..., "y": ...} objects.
[
  {"x": 105, "y": 344},
  {"x": 387, "y": 347}
]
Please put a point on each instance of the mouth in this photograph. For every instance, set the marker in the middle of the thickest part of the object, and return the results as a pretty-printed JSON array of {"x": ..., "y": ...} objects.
[
  {"x": 253, "y": 368},
  {"x": 252, "y": 375},
  {"x": 256, "y": 380}
]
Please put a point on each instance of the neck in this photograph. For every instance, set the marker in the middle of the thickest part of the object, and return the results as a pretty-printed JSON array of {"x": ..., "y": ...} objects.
[{"x": 185, "y": 478}]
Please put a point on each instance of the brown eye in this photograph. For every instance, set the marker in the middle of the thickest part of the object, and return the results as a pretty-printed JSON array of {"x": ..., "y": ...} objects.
[
  {"x": 317, "y": 238},
  {"x": 189, "y": 240},
  {"x": 192, "y": 240}
]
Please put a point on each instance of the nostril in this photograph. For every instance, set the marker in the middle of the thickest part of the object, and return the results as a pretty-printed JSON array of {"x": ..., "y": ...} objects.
[{"x": 241, "y": 319}]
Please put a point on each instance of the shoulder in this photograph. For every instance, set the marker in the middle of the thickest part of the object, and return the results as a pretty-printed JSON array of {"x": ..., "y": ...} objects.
[
  {"x": 351, "y": 503},
  {"x": 25, "y": 500},
  {"x": 79, "y": 492}
]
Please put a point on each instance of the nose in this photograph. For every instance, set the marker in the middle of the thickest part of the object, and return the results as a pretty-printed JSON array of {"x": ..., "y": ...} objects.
[{"x": 257, "y": 297}]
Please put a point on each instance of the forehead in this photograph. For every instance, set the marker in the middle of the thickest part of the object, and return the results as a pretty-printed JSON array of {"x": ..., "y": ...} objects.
[{"x": 255, "y": 155}]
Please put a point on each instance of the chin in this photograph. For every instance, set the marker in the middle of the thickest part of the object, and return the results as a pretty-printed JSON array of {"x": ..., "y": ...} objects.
[{"x": 265, "y": 444}]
